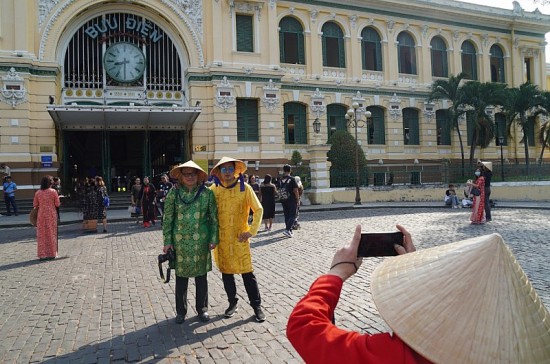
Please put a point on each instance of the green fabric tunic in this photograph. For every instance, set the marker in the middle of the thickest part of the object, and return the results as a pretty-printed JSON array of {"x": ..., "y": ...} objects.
[{"x": 190, "y": 223}]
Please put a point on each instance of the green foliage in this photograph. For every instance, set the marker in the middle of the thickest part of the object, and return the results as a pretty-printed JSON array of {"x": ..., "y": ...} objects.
[
  {"x": 296, "y": 158},
  {"x": 342, "y": 151},
  {"x": 342, "y": 158}
]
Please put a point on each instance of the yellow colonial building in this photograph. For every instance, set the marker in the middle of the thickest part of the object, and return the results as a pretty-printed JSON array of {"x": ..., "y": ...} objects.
[{"x": 131, "y": 87}]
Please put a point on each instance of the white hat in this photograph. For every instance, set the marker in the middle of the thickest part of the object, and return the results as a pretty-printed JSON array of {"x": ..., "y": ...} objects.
[
  {"x": 176, "y": 171},
  {"x": 466, "y": 302},
  {"x": 488, "y": 165}
]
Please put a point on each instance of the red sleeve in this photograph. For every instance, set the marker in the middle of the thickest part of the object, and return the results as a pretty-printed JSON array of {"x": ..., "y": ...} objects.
[{"x": 317, "y": 340}]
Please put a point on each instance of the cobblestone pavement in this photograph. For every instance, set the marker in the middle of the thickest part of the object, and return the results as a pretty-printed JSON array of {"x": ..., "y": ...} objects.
[{"x": 102, "y": 301}]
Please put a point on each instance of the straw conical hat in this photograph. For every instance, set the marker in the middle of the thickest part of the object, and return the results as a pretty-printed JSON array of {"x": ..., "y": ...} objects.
[
  {"x": 176, "y": 171},
  {"x": 240, "y": 166},
  {"x": 467, "y": 302},
  {"x": 488, "y": 165}
]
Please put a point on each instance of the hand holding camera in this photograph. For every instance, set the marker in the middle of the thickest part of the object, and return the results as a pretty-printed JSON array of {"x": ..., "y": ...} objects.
[{"x": 170, "y": 256}]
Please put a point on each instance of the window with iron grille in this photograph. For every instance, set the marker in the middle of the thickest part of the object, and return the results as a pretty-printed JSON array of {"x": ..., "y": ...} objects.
[
  {"x": 245, "y": 33},
  {"x": 334, "y": 54},
  {"x": 443, "y": 125},
  {"x": 439, "y": 57},
  {"x": 376, "y": 126},
  {"x": 336, "y": 118},
  {"x": 406, "y": 54},
  {"x": 83, "y": 63},
  {"x": 497, "y": 64},
  {"x": 469, "y": 60},
  {"x": 295, "y": 123},
  {"x": 371, "y": 49},
  {"x": 291, "y": 41},
  {"x": 410, "y": 127},
  {"x": 247, "y": 120}
]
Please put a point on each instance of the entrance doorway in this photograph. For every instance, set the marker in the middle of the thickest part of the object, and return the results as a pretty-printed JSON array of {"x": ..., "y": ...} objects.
[{"x": 119, "y": 156}]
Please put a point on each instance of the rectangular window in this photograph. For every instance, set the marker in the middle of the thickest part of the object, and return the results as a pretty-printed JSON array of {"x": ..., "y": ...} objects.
[
  {"x": 528, "y": 69},
  {"x": 247, "y": 120},
  {"x": 443, "y": 125},
  {"x": 245, "y": 33},
  {"x": 469, "y": 66}
]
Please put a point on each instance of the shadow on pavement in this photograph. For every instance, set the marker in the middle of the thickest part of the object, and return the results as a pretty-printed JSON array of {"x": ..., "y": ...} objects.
[{"x": 152, "y": 343}]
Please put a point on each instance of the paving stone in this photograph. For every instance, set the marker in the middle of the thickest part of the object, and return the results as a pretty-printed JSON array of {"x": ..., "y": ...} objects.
[{"x": 103, "y": 302}]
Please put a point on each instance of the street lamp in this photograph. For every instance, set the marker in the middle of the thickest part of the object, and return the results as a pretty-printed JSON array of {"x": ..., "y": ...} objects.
[
  {"x": 501, "y": 141},
  {"x": 354, "y": 117}
]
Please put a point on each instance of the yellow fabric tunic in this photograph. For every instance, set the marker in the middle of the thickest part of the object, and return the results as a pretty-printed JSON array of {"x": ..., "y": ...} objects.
[{"x": 231, "y": 255}]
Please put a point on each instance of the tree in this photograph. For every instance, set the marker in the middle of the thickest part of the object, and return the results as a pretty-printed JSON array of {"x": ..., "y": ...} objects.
[
  {"x": 450, "y": 90},
  {"x": 342, "y": 158},
  {"x": 475, "y": 97},
  {"x": 520, "y": 103},
  {"x": 544, "y": 133},
  {"x": 296, "y": 158}
]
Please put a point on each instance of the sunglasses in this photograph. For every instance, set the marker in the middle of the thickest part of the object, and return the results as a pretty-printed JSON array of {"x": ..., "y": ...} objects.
[{"x": 227, "y": 169}]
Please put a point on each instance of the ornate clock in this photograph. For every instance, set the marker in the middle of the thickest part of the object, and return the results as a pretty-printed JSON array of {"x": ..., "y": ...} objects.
[{"x": 124, "y": 62}]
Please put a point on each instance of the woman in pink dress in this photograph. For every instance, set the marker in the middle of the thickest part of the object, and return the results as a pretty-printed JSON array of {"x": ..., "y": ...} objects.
[
  {"x": 46, "y": 200},
  {"x": 478, "y": 203}
]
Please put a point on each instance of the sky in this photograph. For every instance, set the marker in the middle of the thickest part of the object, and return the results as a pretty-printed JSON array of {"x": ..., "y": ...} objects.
[{"x": 527, "y": 5}]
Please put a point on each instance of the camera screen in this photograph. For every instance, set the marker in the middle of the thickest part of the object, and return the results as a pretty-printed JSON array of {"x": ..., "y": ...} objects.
[{"x": 379, "y": 244}]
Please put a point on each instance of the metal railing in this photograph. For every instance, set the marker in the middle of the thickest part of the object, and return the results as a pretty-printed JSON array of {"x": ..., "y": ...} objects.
[{"x": 435, "y": 173}]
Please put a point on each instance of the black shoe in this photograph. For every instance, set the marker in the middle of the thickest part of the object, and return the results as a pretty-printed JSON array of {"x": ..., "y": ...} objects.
[
  {"x": 231, "y": 310},
  {"x": 180, "y": 319},
  {"x": 260, "y": 316},
  {"x": 204, "y": 317}
]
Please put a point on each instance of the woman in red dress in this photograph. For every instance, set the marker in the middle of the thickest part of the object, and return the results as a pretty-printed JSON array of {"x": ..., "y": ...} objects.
[
  {"x": 478, "y": 204},
  {"x": 46, "y": 200}
]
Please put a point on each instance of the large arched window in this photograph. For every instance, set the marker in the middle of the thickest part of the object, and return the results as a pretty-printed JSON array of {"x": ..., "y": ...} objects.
[
  {"x": 334, "y": 54},
  {"x": 376, "y": 126},
  {"x": 371, "y": 49},
  {"x": 406, "y": 53},
  {"x": 295, "y": 123},
  {"x": 88, "y": 64},
  {"x": 291, "y": 41},
  {"x": 497, "y": 64},
  {"x": 443, "y": 125},
  {"x": 469, "y": 60},
  {"x": 411, "y": 132},
  {"x": 336, "y": 118},
  {"x": 440, "y": 66}
]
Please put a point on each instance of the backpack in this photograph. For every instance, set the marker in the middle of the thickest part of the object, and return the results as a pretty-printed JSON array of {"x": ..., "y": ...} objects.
[
  {"x": 284, "y": 193},
  {"x": 106, "y": 200}
]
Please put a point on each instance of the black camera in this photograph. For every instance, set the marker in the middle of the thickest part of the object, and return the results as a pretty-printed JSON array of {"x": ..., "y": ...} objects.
[{"x": 170, "y": 256}]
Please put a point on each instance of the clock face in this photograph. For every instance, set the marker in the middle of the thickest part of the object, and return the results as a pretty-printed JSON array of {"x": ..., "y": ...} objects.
[{"x": 124, "y": 62}]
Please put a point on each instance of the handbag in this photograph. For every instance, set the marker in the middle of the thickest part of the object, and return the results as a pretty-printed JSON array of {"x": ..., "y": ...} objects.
[
  {"x": 33, "y": 216},
  {"x": 475, "y": 191},
  {"x": 106, "y": 201}
]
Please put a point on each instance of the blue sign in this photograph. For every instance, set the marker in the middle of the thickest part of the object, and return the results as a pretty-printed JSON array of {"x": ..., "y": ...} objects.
[{"x": 46, "y": 161}]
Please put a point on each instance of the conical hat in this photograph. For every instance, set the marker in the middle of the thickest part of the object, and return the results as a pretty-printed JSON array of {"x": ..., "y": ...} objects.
[
  {"x": 176, "y": 171},
  {"x": 466, "y": 302},
  {"x": 488, "y": 165},
  {"x": 240, "y": 166}
]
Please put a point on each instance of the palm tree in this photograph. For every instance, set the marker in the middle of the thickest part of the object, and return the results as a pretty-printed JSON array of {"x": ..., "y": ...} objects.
[
  {"x": 475, "y": 97},
  {"x": 520, "y": 103},
  {"x": 450, "y": 90},
  {"x": 544, "y": 134}
]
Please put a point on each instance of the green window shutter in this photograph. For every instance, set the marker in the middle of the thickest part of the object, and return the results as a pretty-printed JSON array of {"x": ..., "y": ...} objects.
[
  {"x": 301, "y": 49},
  {"x": 336, "y": 118},
  {"x": 295, "y": 123},
  {"x": 376, "y": 126},
  {"x": 245, "y": 33},
  {"x": 281, "y": 46},
  {"x": 443, "y": 125},
  {"x": 500, "y": 123},
  {"x": 410, "y": 127},
  {"x": 247, "y": 120},
  {"x": 333, "y": 35}
]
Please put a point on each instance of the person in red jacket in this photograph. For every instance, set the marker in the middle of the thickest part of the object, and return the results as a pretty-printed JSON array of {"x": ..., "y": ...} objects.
[{"x": 466, "y": 302}]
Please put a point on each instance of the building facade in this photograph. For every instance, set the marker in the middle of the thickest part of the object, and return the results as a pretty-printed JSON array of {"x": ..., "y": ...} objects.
[{"x": 132, "y": 87}]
